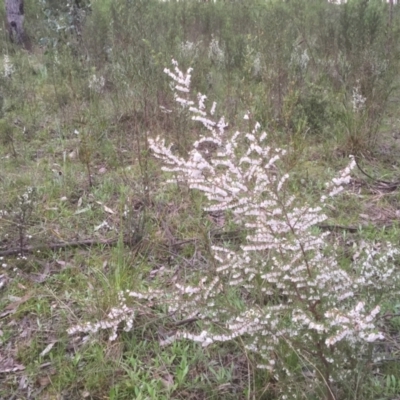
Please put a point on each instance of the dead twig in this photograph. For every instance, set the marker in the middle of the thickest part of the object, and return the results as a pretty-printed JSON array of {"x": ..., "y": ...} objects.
[
  {"x": 87, "y": 243},
  {"x": 352, "y": 229},
  {"x": 380, "y": 184},
  {"x": 186, "y": 321},
  {"x": 62, "y": 245},
  {"x": 336, "y": 228}
]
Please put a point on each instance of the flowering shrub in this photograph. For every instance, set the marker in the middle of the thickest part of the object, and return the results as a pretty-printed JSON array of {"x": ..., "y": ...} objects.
[{"x": 291, "y": 295}]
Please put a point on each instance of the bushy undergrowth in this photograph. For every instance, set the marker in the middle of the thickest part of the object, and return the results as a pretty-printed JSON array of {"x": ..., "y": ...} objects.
[{"x": 300, "y": 60}]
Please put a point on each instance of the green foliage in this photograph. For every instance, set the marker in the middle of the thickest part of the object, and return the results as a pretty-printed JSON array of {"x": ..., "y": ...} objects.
[{"x": 63, "y": 20}]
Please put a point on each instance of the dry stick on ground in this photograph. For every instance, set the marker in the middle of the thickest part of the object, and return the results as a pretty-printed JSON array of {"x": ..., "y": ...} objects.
[
  {"x": 111, "y": 242},
  {"x": 335, "y": 228},
  {"x": 352, "y": 229},
  {"x": 80, "y": 243},
  {"x": 63, "y": 245}
]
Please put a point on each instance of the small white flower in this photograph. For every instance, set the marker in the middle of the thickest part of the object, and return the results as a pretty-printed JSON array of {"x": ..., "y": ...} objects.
[
  {"x": 215, "y": 53},
  {"x": 8, "y": 67},
  {"x": 358, "y": 100},
  {"x": 96, "y": 83}
]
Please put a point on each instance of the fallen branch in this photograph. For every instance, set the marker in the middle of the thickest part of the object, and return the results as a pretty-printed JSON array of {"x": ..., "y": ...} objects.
[
  {"x": 62, "y": 245},
  {"x": 336, "y": 228},
  {"x": 381, "y": 184},
  {"x": 97, "y": 242},
  {"x": 352, "y": 229}
]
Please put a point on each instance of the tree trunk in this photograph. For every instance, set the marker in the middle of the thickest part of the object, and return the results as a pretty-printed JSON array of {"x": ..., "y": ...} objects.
[{"x": 15, "y": 20}]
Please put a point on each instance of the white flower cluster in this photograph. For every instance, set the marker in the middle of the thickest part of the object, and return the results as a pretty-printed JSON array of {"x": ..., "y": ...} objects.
[
  {"x": 189, "y": 50},
  {"x": 114, "y": 318},
  {"x": 181, "y": 83},
  {"x": 299, "y": 58},
  {"x": 96, "y": 83},
  {"x": 358, "y": 100},
  {"x": 8, "y": 67},
  {"x": 28, "y": 198},
  {"x": 215, "y": 53},
  {"x": 353, "y": 325},
  {"x": 293, "y": 290},
  {"x": 123, "y": 313},
  {"x": 344, "y": 178}
]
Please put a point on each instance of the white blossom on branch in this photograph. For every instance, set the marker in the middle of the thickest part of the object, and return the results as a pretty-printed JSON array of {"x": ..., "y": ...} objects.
[{"x": 288, "y": 285}]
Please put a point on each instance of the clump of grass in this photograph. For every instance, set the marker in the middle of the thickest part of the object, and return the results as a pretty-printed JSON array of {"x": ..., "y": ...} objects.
[{"x": 7, "y": 136}]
